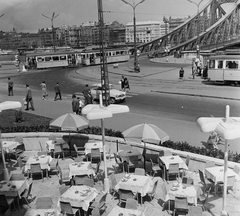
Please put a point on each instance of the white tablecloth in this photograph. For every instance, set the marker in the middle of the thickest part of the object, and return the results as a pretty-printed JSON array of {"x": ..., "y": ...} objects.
[
  {"x": 78, "y": 196},
  {"x": 8, "y": 146},
  {"x": 8, "y": 190},
  {"x": 81, "y": 168},
  {"x": 44, "y": 161},
  {"x": 172, "y": 160},
  {"x": 190, "y": 192},
  {"x": 42, "y": 212},
  {"x": 136, "y": 183},
  {"x": 90, "y": 145},
  {"x": 216, "y": 173},
  {"x": 125, "y": 212}
]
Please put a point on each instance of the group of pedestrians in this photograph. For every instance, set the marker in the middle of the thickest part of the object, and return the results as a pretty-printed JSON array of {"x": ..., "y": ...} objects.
[{"x": 124, "y": 84}]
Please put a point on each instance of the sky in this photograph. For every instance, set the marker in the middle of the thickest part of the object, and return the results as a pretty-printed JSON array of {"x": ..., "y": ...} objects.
[{"x": 25, "y": 15}]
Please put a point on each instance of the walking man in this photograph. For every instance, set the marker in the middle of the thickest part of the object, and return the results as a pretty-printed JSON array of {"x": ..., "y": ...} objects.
[
  {"x": 87, "y": 95},
  {"x": 28, "y": 97},
  {"x": 10, "y": 87},
  {"x": 57, "y": 92},
  {"x": 75, "y": 104}
]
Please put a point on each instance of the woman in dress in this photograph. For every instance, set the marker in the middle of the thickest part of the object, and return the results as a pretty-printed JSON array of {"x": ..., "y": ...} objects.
[{"x": 44, "y": 90}]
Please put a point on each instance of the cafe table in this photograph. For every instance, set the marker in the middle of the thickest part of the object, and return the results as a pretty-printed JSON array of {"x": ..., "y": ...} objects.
[
  {"x": 167, "y": 160},
  {"x": 117, "y": 210},
  {"x": 93, "y": 145},
  {"x": 42, "y": 212},
  {"x": 192, "y": 192},
  {"x": 79, "y": 196},
  {"x": 8, "y": 146},
  {"x": 43, "y": 160},
  {"x": 126, "y": 154},
  {"x": 135, "y": 183},
  {"x": 81, "y": 168},
  {"x": 13, "y": 188}
]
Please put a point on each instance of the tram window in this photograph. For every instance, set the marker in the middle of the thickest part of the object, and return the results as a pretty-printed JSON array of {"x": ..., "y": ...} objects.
[
  {"x": 117, "y": 53},
  {"x": 122, "y": 52},
  {"x": 212, "y": 64},
  {"x": 220, "y": 64},
  {"x": 40, "y": 59},
  {"x": 63, "y": 57},
  {"x": 97, "y": 54},
  {"x": 55, "y": 58},
  {"x": 232, "y": 64},
  {"x": 48, "y": 58}
]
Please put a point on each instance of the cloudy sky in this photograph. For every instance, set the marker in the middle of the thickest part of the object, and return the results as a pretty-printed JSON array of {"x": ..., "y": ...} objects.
[{"x": 25, "y": 15}]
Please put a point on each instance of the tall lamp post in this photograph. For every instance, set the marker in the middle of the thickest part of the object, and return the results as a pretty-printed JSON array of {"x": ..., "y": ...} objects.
[
  {"x": 52, "y": 18},
  {"x": 136, "y": 66},
  {"x": 197, "y": 4},
  {"x": 6, "y": 106}
]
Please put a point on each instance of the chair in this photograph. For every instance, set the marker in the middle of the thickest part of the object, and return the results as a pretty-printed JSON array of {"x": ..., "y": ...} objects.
[
  {"x": 64, "y": 175},
  {"x": 79, "y": 150},
  {"x": 153, "y": 192},
  {"x": 101, "y": 204},
  {"x": 181, "y": 205},
  {"x": 202, "y": 200},
  {"x": 155, "y": 168},
  {"x": 58, "y": 150},
  {"x": 44, "y": 203},
  {"x": 36, "y": 169},
  {"x": 54, "y": 167},
  {"x": 188, "y": 181},
  {"x": 17, "y": 177},
  {"x": 88, "y": 182},
  {"x": 97, "y": 172},
  {"x": 230, "y": 183},
  {"x": 236, "y": 169},
  {"x": 27, "y": 193},
  {"x": 169, "y": 205},
  {"x": 95, "y": 212},
  {"x": 209, "y": 164},
  {"x": 113, "y": 183},
  {"x": 131, "y": 164},
  {"x": 124, "y": 195},
  {"x": 6, "y": 202},
  {"x": 79, "y": 180},
  {"x": 67, "y": 209},
  {"x": 183, "y": 172},
  {"x": 205, "y": 182},
  {"x": 195, "y": 211},
  {"x": 95, "y": 154},
  {"x": 173, "y": 170},
  {"x": 139, "y": 171},
  {"x": 119, "y": 165},
  {"x": 63, "y": 188},
  {"x": 131, "y": 204},
  {"x": 20, "y": 164}
]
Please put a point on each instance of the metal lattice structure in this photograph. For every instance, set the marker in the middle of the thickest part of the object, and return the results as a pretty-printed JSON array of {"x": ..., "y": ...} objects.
[{"x": 215, "y": 30}]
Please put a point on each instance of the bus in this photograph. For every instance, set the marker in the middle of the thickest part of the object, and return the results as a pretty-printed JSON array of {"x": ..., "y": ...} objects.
[
  {"x": 45, "y": 60},
  {"x": 114, "y": 55},
  {"x": 224, "y": 69}
]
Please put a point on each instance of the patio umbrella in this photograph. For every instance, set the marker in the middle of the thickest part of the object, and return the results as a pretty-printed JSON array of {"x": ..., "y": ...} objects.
[
  {"x": 147, "y": 133},
  {"x": 69, "y": 122}
]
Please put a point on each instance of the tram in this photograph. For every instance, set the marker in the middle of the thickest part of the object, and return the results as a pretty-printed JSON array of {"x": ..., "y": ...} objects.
[
  {"x": 54, "y": 59},
  {"x": 92, "y": 56},
  {"x": 224, "y": 69}
]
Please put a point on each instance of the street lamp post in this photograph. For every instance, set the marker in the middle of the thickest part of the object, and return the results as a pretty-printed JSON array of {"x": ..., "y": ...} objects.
[
  {"x": 53, "y": 36},
  {"x": 136, "y": 66},
  {"x": 197, "y": 4},
  {"x": 6, "y": 106}
]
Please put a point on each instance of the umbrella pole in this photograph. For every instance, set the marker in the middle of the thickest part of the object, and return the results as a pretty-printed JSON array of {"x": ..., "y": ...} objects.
[
  {"x": 106, "y": 180},
  {"x": 144, "y": 155}
]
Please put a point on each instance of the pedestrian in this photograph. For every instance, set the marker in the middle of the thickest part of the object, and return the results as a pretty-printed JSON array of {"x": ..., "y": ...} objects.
[
  {"x": 87, "y": 95},
  {"x": 126, "y": 84},
  {"x": 10, "y": 87},
  {"x": 122, "y": 83},
  {"x": 57, "y": 92},
  {"x": 28, "y": 98},
  {"x": 181, "y": 73},
  {"x": 75, "y": 104},
  {"x": 44, "y": 90},
  {"x": 81, "y": 105}
]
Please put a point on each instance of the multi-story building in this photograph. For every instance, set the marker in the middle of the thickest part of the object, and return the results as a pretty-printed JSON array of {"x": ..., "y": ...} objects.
[
  {"x": 145, "y": 31},
  {"x": 175, "y": 22}
]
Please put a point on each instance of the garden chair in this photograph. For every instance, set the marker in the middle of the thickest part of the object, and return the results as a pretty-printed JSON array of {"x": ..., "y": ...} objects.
[
  {"x": 124, "y": 195},
  {"x": 113, "y": 183},
  {"x": 97, "y": 172},
  {"x": 195, "y": 211},
  {"x": 131, "y": 204},
  {"x": 44, "y": 203},
  {"x": 230, "y": 183},
  {"x": 101, "y": 205},
  {"x": 79, "y": 180},
  {"x": 155, "y": 168},
  {"x": 36, "y": 169},
  {"x": 203, "y": 199},
  {"x": 95, "y": 154},
  {"x": 187, "y": 180},
  {"x": 118, "y": 164},
  {"x": 139, "y": 171},
  {"x": 58, "y": 150},
  {"x": 173, "y": 170},
  {"x": 181, "y": 205},
  {"x": 88, "y": 182},
  {"x": 153, "y": 192},
  {"x": 27, "y": 193},
  {"x": 67, "y": 209},
  {"x": 183, "y": 172},
  {"x": 54, "y": 165},
  {"x": 79, "y": 150},
  {"x": 64, "y": 175},
  {"x": 63, "y": 188},
  {"x": 169, "y": 206},
  {"x": 205, "y": 182},
  {"x": 20, "y": 164}
]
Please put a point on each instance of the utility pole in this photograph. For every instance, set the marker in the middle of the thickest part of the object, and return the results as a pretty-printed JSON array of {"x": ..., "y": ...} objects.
[
  {"x": 136, "y": 65},
  {"x": 103, "y": 60},
  {"x": 53, "y": 35}
]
